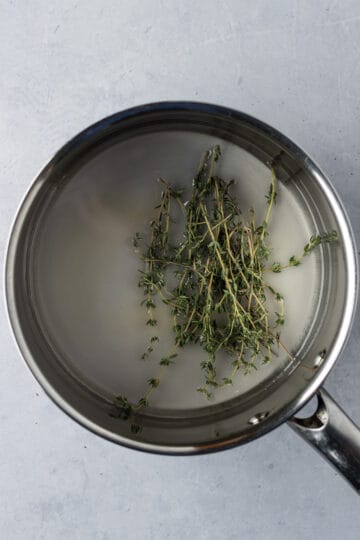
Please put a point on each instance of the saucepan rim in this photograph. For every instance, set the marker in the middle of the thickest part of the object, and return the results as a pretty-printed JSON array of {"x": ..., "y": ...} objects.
[{"x": 308, "y": 164}]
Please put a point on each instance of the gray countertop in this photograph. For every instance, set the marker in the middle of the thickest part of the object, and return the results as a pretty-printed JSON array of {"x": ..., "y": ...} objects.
[{"x": 64, "y": 65}]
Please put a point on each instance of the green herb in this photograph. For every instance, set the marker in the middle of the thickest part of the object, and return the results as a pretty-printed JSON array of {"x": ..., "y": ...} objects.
[
  {"x": 219, "y": 299},
  {"x": 135, "y": 428},
  {"x": 314, "y": 241}
]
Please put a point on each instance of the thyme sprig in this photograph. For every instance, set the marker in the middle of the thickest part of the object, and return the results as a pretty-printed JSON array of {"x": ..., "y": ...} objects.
[{"x": 220, "y": 296}]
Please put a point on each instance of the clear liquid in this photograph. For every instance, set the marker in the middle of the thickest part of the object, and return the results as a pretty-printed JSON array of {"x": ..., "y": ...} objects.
[{"x": 86, "y": 272}]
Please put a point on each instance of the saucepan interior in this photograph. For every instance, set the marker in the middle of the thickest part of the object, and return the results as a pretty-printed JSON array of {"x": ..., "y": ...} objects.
[{"x": 72, "y": 277}]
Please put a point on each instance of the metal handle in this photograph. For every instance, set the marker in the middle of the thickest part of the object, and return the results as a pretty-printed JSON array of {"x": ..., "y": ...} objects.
[{"x": 334, "y": 435}]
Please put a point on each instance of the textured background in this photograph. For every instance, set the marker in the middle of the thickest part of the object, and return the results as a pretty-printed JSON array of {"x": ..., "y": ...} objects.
[{"x": 65, "y": 64}]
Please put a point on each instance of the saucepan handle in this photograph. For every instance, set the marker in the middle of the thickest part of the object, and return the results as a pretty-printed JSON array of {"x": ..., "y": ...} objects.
[{"x": 334, "y": 435}]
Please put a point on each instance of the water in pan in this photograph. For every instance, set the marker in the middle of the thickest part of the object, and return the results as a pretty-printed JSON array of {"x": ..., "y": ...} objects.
[{"x": 85, "y": 273}]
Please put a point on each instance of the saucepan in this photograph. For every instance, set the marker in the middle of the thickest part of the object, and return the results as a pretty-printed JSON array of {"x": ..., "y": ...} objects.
[{"x": 73, "y": 300}]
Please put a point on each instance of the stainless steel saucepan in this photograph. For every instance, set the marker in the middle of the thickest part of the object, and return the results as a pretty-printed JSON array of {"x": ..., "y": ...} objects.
[{"x": 71, "y": 284}]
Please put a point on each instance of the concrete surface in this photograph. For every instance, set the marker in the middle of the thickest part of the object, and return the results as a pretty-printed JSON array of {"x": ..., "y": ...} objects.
[{"x": 65, "y": 64}]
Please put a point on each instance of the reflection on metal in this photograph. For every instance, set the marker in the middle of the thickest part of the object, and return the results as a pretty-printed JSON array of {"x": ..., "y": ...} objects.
[{"x": 334, "y": 435}]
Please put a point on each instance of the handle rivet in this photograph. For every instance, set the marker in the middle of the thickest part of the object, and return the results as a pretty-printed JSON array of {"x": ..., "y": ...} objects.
[{"x": 257, "y": 418}]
